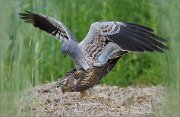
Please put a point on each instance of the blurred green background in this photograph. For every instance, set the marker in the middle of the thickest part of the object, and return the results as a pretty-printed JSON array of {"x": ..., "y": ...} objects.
[{"x": 29, "y": 57}]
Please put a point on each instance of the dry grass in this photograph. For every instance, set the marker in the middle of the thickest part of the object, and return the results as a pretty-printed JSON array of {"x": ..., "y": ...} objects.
[{"x": 47, "y": 100}]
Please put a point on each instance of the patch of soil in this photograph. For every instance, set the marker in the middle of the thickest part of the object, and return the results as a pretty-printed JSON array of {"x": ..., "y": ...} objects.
[{"x": 47, "y": 100}]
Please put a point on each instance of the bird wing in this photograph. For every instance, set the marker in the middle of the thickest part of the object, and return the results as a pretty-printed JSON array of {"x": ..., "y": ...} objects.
[
  {"x": 109, "y": 39},
  {"x": 48, "y": 24}
]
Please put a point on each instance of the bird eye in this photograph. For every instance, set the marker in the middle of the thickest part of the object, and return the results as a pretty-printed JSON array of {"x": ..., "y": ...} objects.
[{"x": 64, "y": 81}]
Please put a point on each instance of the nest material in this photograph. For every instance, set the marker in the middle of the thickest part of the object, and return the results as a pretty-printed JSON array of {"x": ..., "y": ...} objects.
[{"x": 47, "y": 100}]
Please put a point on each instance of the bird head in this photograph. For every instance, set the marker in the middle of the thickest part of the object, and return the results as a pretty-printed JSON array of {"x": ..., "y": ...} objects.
[{"x": 70, "y": 48}]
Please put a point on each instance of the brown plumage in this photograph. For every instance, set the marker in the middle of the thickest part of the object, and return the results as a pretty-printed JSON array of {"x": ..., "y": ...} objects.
[{"x": 81, "y": 80}]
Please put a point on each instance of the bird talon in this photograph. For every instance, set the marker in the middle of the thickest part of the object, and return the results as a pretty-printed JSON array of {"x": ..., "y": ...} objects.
[{"x": 85, "y": 93}]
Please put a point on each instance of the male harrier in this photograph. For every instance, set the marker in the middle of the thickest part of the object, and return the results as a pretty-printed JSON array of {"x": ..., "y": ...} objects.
[{"x": 103, "y": 45}]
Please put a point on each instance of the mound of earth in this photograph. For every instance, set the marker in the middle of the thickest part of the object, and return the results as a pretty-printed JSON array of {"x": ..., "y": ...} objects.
[{"x": 47, "y": 100}]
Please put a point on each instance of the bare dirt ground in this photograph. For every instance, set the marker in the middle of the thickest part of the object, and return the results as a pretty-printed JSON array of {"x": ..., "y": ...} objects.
[{"x": 47, "y": 100}]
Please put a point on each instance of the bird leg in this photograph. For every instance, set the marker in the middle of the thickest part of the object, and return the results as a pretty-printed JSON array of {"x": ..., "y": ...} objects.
[{"x": 87, "y": 94}]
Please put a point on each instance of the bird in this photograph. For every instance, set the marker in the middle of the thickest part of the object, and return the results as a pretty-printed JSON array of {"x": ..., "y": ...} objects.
[
  {"x": 105, "y": 43},
  {"x": 82, "y": 80}
]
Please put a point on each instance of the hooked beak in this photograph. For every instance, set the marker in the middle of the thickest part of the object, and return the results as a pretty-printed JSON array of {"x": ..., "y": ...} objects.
[{"x": 64, "y": 55}]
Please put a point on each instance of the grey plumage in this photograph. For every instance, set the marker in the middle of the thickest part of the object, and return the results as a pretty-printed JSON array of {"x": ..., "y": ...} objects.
[{"x": 104, "y": 40}]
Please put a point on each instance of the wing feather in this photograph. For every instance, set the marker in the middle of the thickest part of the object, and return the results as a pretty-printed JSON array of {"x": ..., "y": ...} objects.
[
  {"x": 48, "y": 24},
  {"x": 124, "y": 37}
]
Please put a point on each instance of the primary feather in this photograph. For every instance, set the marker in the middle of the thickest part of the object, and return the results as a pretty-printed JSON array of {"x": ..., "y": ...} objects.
[{"x": 48, "y": 24}]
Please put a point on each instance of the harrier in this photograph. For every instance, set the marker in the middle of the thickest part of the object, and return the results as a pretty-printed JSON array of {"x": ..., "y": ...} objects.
[{"x": 100, "y": 50}]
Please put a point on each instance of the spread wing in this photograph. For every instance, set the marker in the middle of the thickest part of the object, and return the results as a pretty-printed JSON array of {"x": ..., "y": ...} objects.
[
  {"x": 48, "y": 24},
  {"x": 108, "y": 40}
]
